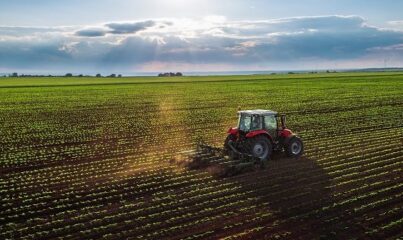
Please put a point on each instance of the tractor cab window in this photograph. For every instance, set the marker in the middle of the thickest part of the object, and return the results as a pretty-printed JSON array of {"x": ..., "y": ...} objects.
[
  {"x": 270, "y": 122},
  {"x": 244, "y": 122},
  {"x": 256, "y": 122}
]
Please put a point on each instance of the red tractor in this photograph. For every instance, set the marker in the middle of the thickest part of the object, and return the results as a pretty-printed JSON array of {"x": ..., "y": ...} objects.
[{"x": 259, "y": 133}]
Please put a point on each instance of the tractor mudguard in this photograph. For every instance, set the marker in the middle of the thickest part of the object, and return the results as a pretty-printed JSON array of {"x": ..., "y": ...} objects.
[
  {"x": 259, "y": 132},
  {"x": 232, "y": 131},
  {"x": 287, "y": 139},
  {"x": 285, "y": 133}
]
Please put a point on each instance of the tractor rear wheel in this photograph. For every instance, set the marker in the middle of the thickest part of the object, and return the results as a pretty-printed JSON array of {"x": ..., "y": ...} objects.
[
  {"x": 295, "y": 147},
  {"x": 261, "y": 147}
]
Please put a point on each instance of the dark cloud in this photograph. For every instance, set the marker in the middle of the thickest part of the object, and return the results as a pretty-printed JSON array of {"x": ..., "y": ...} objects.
[
  {"x": 118, "y": 28},
  {"x": 125, "y": 28},
  {"x": 91, "y": 33},
  {"x": 133, "y": 50},
  {"x": 32, "y": 54},
  {"x": 326, "y": 44}
]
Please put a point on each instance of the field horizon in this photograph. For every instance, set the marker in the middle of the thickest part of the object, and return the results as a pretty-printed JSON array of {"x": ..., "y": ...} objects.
[{"x": 214, "y": 73}]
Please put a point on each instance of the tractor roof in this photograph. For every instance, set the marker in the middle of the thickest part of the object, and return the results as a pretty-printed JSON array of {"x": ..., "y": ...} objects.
[{"x": 258, "y": 112}]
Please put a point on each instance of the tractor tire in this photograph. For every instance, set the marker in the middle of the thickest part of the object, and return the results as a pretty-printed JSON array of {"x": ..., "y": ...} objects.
[
  {"x": 260, "y": 147},
  {"x": 295, "y": 147}
]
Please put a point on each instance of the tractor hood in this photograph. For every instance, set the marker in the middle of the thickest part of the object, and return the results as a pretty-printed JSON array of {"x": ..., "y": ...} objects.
[{"x": 233, "y": 131}]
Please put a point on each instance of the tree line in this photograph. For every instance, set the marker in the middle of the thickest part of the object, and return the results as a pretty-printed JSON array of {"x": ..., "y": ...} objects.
[{"x": 113, "y": 75}]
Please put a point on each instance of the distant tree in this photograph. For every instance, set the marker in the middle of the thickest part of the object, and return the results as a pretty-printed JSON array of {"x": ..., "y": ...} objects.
[
  {"x": 80, "y": 75},
  {"x": 120, "y": 75},
  {"x": 69, "y": 75},
  {"x": 14, "y": 75},
  {"x": 170, "y": 74},
  {"x": 112, "y": 75},
  {"x": 290, "y": 72},
  {"x": 98, "y": 75}
]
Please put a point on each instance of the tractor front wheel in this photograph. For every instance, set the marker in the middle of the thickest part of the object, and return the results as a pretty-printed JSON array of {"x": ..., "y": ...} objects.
[
  {"x": 295, "y": 147},
  {"x": 261, "y": 147}
]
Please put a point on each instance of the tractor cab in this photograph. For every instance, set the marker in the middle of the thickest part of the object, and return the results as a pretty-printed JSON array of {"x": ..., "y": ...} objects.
[{"x": 255, "y": 120}]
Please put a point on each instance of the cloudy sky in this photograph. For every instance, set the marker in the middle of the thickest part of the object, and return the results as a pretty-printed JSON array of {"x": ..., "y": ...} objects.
[{"x": 129, "y": 36}]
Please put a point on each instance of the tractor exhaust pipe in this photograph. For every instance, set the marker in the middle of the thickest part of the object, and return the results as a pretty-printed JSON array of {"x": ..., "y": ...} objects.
[{"x": 283, "y": 120}]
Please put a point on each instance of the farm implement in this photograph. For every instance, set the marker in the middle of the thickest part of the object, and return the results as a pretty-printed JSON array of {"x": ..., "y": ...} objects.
[{"x": 249, "y": 145}]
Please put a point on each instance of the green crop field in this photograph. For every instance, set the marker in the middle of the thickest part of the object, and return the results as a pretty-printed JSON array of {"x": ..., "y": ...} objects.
[{"x": 85, "y": 158}]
